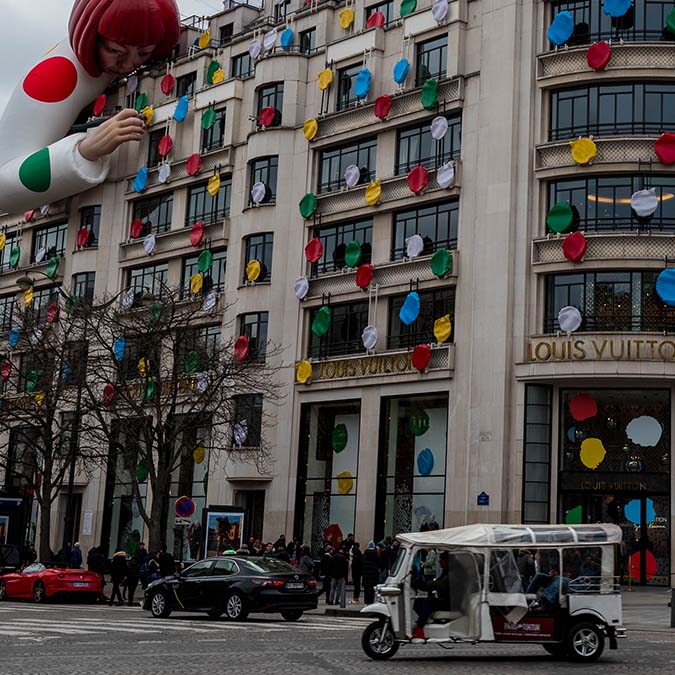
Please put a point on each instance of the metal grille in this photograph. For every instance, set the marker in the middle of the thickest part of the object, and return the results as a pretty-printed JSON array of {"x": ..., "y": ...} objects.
[
  {"x": 608, "y": 247},
  {"x": 610, "y": 150},
  {"x": 402, "y": 104}
]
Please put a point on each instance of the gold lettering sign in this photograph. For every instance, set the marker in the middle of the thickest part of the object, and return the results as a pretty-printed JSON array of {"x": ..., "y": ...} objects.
[
  {"x": 613, "y": 486},
  {"x": 365, "y": 366},
  {"x": 601, "y": 349}
]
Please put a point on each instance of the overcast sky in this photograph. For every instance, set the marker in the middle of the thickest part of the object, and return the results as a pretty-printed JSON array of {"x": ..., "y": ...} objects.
[{"x": 37, "y": 25}]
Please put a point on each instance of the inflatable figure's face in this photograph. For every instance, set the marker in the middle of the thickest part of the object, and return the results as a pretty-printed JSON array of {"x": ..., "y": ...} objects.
[{"x": 120, "y": 60}]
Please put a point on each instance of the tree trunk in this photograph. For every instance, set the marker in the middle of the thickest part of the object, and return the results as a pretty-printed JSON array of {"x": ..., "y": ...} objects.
[
  {"x": 159, "y": 512},
  {"x": 44, "y": 549}
]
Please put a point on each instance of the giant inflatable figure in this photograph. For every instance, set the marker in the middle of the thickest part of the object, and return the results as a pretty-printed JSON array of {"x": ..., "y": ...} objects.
[{"x": 39, "y": 162}]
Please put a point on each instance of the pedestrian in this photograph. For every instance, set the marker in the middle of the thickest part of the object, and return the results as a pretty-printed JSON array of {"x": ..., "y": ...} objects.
[
  {"x": 96, "y": 560},
  {"x": 257, "y": 548},
  {"x": 118, "y": 573},
  {"x": 306, "y": 562},
  {"x": 282, "y": 554},
  {"x": 382, "y": 568},
  {"x": 153, "y": 568},
  {"x": 348, "y": 543},
  {"x": 75, "y": 561},
  {"x": 339, "y": 580},
  {"x": 370, "y": 573},
  {"x": 327, "y": 572},
  {"x": 357, "y": 570},
  {"x": 133, "y": 575},
  {"x": 281, "y": 541},
  {"x": 269, "y": 550},
  {"x": 167, "y": 564}
]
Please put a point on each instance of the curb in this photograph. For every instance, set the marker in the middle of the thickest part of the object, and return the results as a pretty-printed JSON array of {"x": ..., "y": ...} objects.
[{"x": 343, "y": 612}]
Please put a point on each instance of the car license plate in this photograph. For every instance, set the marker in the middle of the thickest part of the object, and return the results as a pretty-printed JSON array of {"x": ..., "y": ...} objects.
[
  {"x": 295, "y": 585},
  {"x": 80, "y": 584}
]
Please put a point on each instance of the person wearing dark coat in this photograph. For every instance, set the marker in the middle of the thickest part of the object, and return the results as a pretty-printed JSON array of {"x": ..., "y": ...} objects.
[
  {"x": 76, "y": 556},
  {"x": 306, "y": 562},
  {"x": 370, "y": 573},
  {"x": 118, "y": 573},
  {"x": 339, "y": 583},
  {"x": 167, "y": 565},
  {"x": 327, "y": 572},
  {"x": 133, "y": 575},
  {"x": 357, "y": 569}
]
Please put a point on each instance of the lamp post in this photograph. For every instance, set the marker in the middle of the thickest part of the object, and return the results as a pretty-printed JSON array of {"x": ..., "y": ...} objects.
[{"x": 25, "y": 283}]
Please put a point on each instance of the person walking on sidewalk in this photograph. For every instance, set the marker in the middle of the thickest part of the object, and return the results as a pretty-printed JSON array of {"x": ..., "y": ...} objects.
[
  {"x": 306, "y": 563},
  {"x": 118, "y": 573},
  {"x": 370, "y": 573},
  {"x": 133, "y": 574},
  {"x": 76, "y": 556},
  {"x": 327, "y": 572},
  {"x": 357, "y": 570},
  {"x": 339, "y": 583}
]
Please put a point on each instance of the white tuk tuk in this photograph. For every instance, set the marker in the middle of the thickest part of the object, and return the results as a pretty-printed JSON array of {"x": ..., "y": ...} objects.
[{"x": 552, "y": 585}]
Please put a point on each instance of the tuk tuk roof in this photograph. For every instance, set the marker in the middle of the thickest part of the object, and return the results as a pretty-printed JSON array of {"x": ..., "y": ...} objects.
[{"x": 516, "y": 535}]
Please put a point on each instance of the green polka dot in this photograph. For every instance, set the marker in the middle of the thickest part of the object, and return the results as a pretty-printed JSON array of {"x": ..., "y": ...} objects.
[{"x": 35, "y": 173}]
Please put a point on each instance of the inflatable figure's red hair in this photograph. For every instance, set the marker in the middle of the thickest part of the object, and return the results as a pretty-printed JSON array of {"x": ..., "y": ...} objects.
[{"x": 137, "y": 23}]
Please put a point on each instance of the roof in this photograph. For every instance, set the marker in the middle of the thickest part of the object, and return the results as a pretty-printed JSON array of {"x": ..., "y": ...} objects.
[{"x": 516, "y": 535}]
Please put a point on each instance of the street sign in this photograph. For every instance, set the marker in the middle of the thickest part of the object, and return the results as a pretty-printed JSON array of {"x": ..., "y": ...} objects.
[
  {"x": 184, "y": 507},
  {"x": 183, "y": 522},
  {"x": 483, "y": 499}
]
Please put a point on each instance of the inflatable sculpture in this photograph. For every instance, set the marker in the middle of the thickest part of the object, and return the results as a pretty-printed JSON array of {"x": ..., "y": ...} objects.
[{"x": 39, "y": 161}]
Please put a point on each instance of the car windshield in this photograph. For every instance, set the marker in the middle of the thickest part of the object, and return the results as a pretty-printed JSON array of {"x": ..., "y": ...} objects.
[
  {"x": 270, "y": 565},
  {"x": 35, "y": 567}
]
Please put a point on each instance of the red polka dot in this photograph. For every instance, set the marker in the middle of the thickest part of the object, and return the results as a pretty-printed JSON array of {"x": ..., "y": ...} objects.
[{"x": 52, "y": 80}]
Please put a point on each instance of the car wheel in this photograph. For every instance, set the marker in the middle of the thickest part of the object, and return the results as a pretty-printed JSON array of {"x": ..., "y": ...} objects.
[
  {"x": 159, "y": 606},
  {"x": 3, "y": 590},
  {"x": 557, "y": 651},
  {"x": 39, "y": 593},
  {"x": 585, "y": 642},
  {"x": 378, "y": 641},
  {"x": 235, "y": 607},
  {"x": 215, "y": 613},
  {"x": 292, "y": 615}
]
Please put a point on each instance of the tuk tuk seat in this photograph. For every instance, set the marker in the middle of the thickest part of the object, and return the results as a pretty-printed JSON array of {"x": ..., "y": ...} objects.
[{"x": 446, "y": 616}]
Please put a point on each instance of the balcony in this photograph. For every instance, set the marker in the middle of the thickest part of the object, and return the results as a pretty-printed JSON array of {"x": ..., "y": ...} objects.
[
  {"x": 393, "y": 189},
  {"x": 362, "y": 117},
  {"x": 642, "y": 59},
  {"x": 552, "y": 158},
  {"x": 650, "y": 250},
  {"x": 392, "y": 277}
]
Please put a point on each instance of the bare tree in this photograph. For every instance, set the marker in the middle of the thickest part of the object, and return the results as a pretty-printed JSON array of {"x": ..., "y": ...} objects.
[{"x": 167, "y": 390}]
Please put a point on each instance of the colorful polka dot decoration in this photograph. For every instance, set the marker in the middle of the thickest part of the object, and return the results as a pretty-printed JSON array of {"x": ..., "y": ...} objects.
[
  {"x": 141, "y": 180},
  {"x": 181, "y": 109},
  {"x": 310, "y": 128},
  {"x": 167, "y": 84},
  {"x": 583, "y": 151},
  {"x": 664, "y": 147},
  {"x": 574, "y": 246},
  {"x": 592, "y": 453},
  {"x": 99, "y": 105},
  {"x": 374, "y": 192},
  {"x": 51, "y": 81},
  {"x": 313, "y": 250},
  {"x": 401, "y": 69},
  {"x": 583, "y": 407},
  {"x": 561, "y": 29},
  {"x": 242, "y": 348},
  {"x": 408, "y": 7},
  {"x": 165, "y": 146},
  {"x": 418, "y": 179},
  {"x": 364, "y": 275},
  {"x": 193, "y": 164},
  {"x": 665, "y": 286},
  {"x": 598, "y": 55},
  {"x": 197, "y": 233},
  {"x": 376, "y": 20},
  {"x": 346, "y": 18},
  {"x": 420, "y": 358},
  {"x": 429, "y": 94},
  {"x": 382, "y": 106},
  {"x": 35, "y": 172},
  {"x": 303, "y": 372}
]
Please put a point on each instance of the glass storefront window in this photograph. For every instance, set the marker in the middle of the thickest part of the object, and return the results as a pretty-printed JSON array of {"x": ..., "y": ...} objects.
[
  {"x": 412, "y": 458},
  {"x": 615, "y": 468},
  {"x": 327, "y": 472}
]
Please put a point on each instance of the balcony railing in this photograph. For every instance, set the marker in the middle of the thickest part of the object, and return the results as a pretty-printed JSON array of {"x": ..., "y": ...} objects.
[
  {"x": 608, "y": 129},
  {"x": 655, "y": 321}
]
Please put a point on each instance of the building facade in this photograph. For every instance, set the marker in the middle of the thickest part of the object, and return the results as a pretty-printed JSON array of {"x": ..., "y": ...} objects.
[{"x": 319, "y": 178}]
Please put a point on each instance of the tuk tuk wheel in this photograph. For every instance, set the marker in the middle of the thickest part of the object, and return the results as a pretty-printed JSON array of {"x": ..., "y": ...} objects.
[
  {"x": 585, "y": 642},
  {"x": 378, "y": 641}
]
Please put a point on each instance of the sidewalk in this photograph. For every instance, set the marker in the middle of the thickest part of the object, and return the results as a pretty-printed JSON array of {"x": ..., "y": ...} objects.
[{"x": 644, "y": 609}]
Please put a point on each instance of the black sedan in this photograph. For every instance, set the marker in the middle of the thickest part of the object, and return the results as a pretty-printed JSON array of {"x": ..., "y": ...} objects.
[{"x": 234, "y": 586}]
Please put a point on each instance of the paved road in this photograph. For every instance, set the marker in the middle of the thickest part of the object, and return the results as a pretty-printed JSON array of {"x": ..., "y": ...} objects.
[{"x": 93, "y": 640}]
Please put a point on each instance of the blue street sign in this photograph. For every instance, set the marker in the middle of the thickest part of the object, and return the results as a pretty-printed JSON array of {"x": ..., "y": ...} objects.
[{"x": 483, "y": 499}]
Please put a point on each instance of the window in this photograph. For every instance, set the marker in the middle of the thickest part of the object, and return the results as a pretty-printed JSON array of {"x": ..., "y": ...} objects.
[
  {"x": 154, "y": 137},
  {"x": 242, "y": 66},
  {"x": 334, "y": 161},
  {"x": 40, "y": 363},
  {"x": 433, "y": 305},
  {"x": 308, "y": 41},
  {"x": 74, "y": 366},
  {"x": 603, "y": 202},
  {"x": 185, "y": 85},
  {"x": 6, "y": 252},
  {"x": 247, "y": 420},
  {"x": 344, "y": 335},
  {"x": 432, "y": 59},
  {"x": 213, "y": 138},
  {"x": 42, "y": 298},
  {"x": 224, "y": 568},
  {"x": 537, "y": 454},
  {"x": 644, "y": 21},
  {"x": 264, "y": 170},
  {"x": 204, "y": 342},
  {"x": 83, "y": 286},
  {"x": 387, "y": 8},
  {"x": 6, "y": 312},
  {"x": 90, "y": 217},
  {"x": 214, "y": 279},
  {"x": 272, "y": 95},
  {"x": 416, "y": 146},
  {"x": 335, "y": 239},
  {"x": 254, "y": 327},
  {"x": 226, "y": 33},
  {"x": 280, "y": 10},
  {"x": 259, "y": 247},
  {"x": 200, "y": 569},
  {"x": 50, "y": 241},
  {"x": 346, "y": 81},
  {"x": 202, "y": 206},
  {"x": 608, "y": 301},
  {"x": 436, "y": 224},
  {"x": 150, "y": 279},
  {"x": 603, "y": 110},
  {"x": 139, "y": 347},
  {"x": 156, "y": 212}
]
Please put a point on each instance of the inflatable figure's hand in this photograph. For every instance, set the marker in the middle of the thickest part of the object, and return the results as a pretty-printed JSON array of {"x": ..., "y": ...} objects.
[{"x": 125, "y": 126}]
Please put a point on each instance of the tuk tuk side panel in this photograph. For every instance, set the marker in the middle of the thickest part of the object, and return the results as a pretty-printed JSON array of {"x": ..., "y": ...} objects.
[{"x": 608, "y": 608}]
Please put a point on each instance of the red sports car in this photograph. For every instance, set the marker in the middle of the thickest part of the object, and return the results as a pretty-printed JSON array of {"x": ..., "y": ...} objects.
[{"x": 41, "y": 583}]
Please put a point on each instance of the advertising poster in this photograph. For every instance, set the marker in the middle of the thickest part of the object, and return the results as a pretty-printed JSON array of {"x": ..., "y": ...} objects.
[
  {"x": 224, "y": 527},
  {"x": 4, "y": 529}
]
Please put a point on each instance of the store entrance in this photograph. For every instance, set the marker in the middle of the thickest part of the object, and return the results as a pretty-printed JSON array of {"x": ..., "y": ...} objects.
[{"x": 645, "y": 552}]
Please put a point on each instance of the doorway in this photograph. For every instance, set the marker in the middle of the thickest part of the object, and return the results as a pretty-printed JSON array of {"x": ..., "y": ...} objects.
[{"x": 253, "y": 503}]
